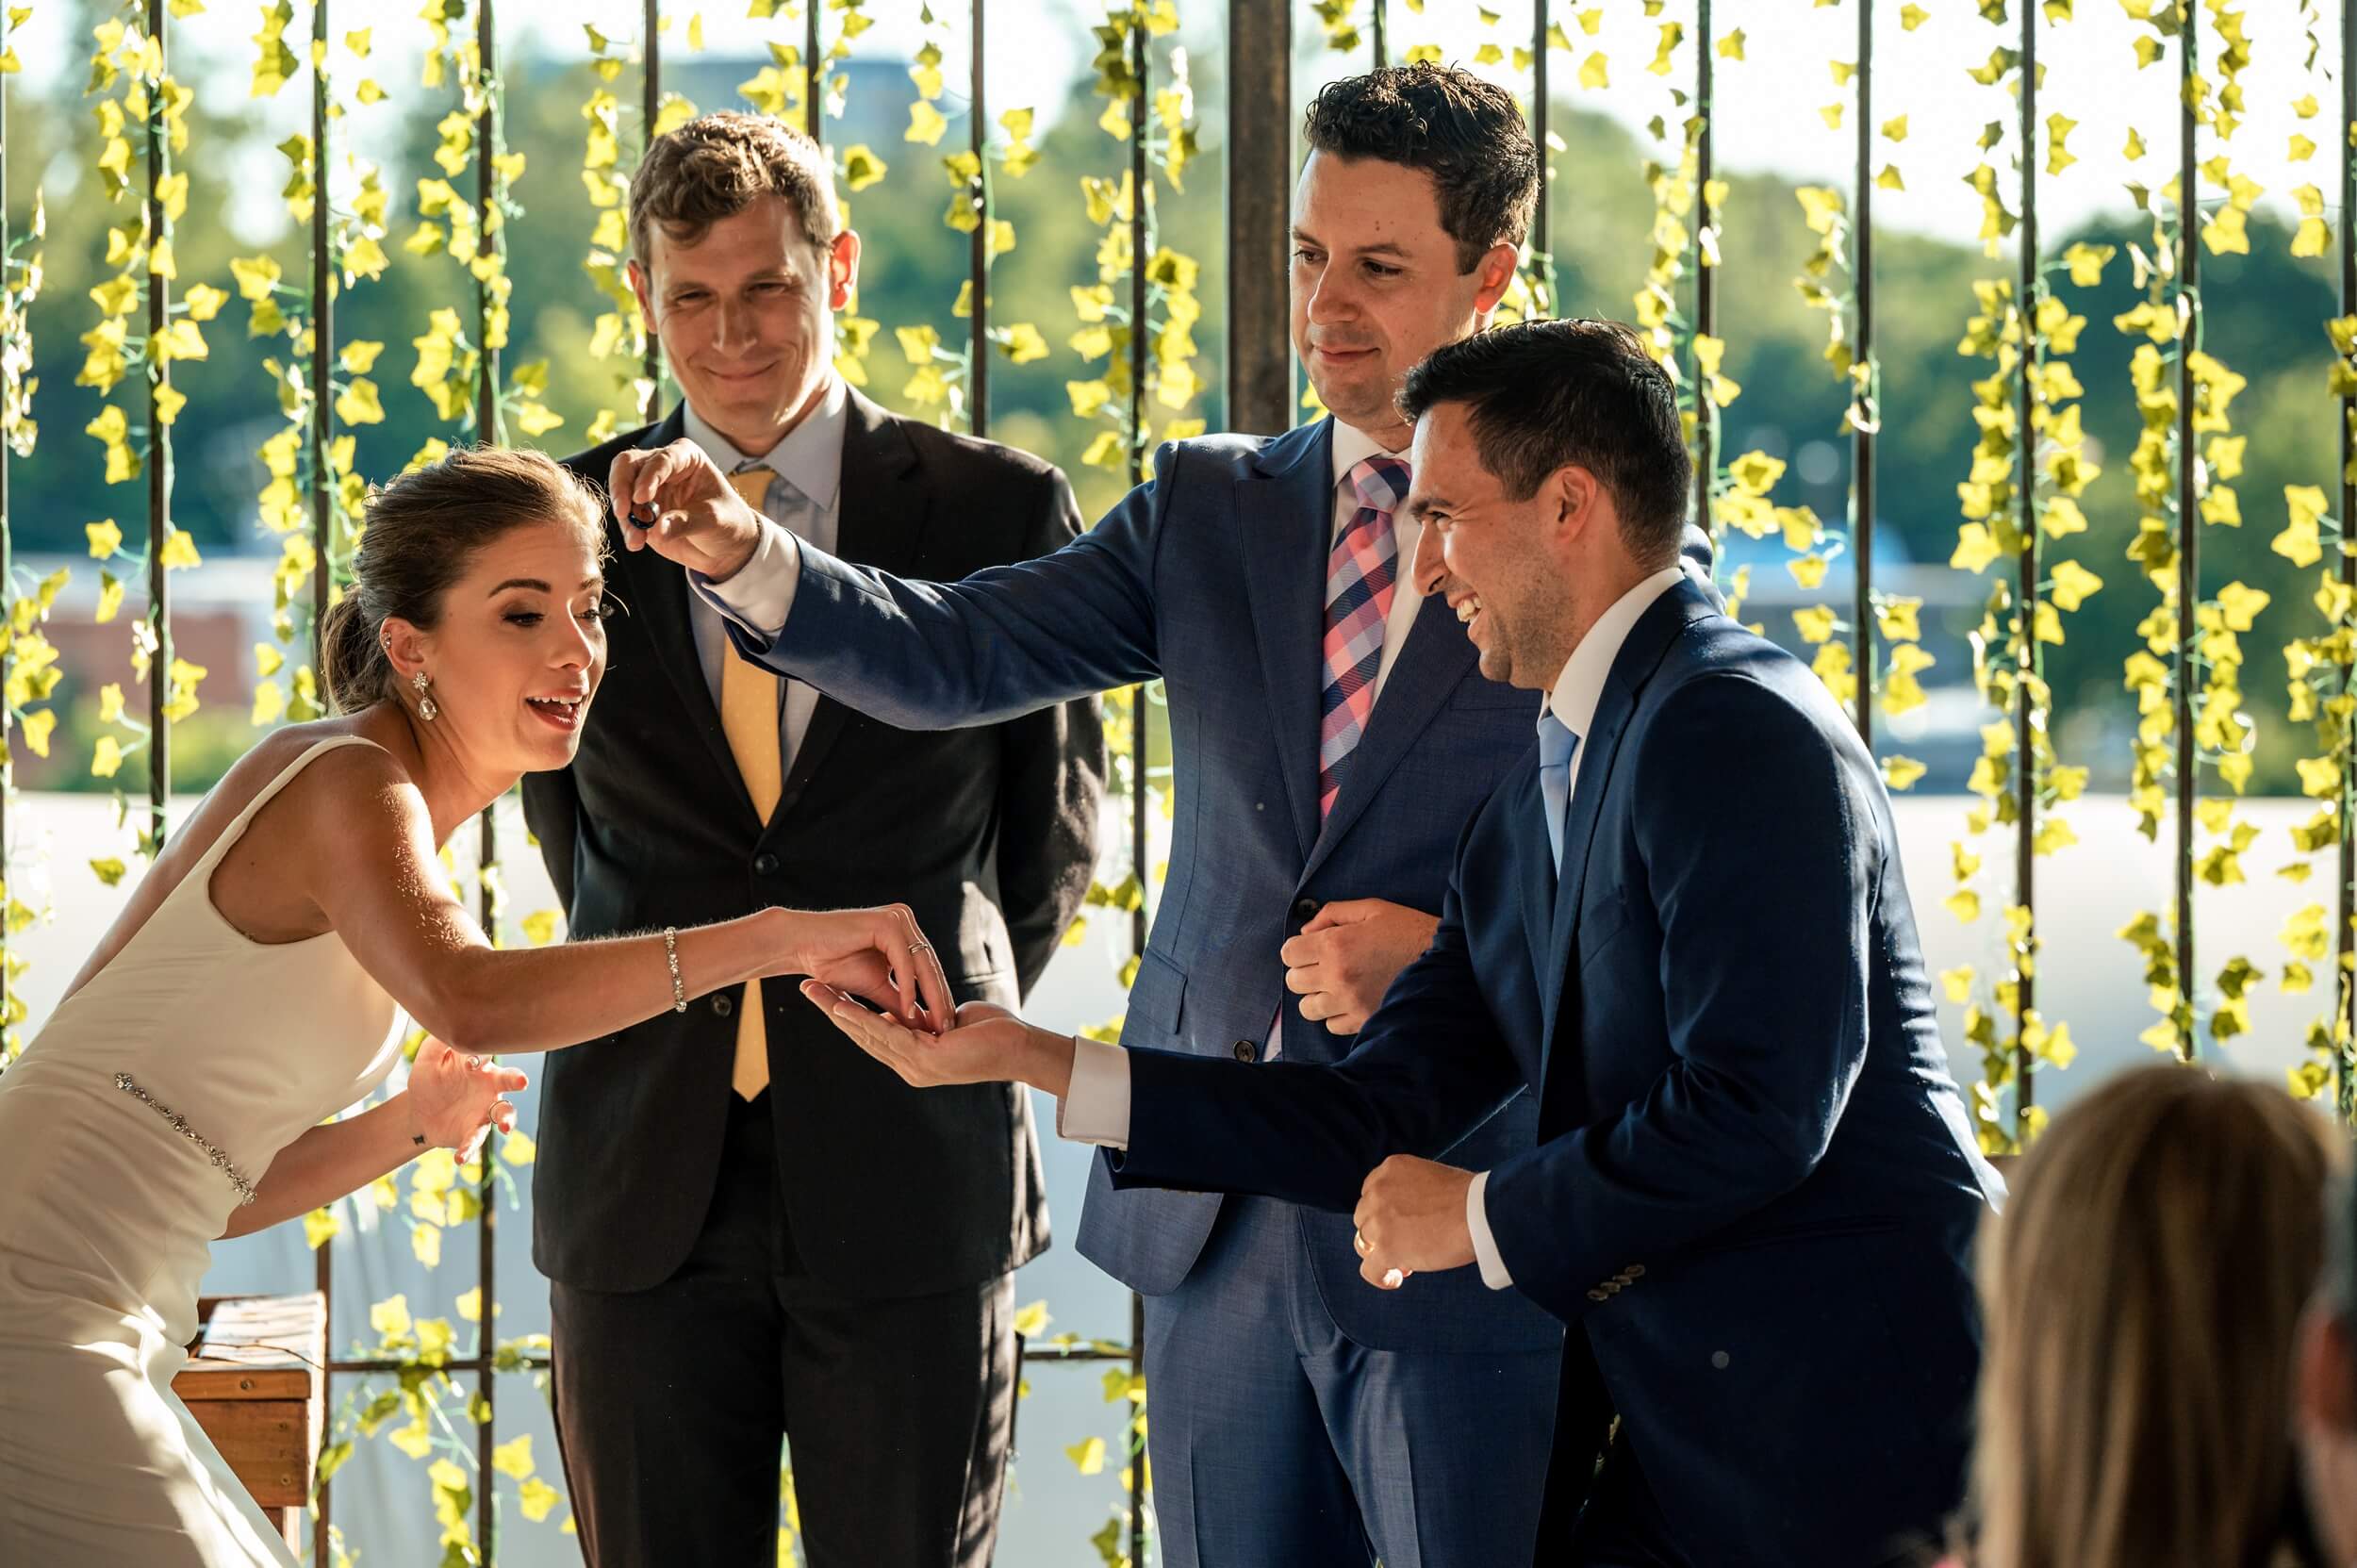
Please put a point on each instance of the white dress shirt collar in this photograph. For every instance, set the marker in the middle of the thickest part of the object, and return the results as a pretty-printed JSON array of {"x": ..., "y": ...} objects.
[
  {"x": 810, "y": 455},
  {"x": 1354, "y": 446},
  {"x": 1577, "y": 690}
]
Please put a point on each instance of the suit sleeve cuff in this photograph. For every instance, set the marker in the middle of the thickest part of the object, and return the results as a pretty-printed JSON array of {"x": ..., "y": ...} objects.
[
  {"x": 759, "y": 594},
  {"x": 1096, "y": 1106},
  {"x": 1485, "y": 1245}
]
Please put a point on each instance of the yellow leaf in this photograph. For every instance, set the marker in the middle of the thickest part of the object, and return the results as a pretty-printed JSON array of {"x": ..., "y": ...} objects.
[
  {"x": 105, "y": 539},
  {"x": 1731, "y": 46},
  {"x": 514, "y": 1457},
  {"x": 1891, "y": 180},
  {"x": 2073, "y": 584},
  {"x": 320, "y": 1226},
  {"x": 106, "y": 760},
  {"x": 1957, "y": 982},
  {"x": 1089, "y": 1457},
  {"x": 357, "y": 403},
  {"x": 179, "y": 554},
  {"x": 1032, "y": 1321},
  {"x": 1964, "y": 904},
  {"x": 37, "y": 730},
  {"x": 1895, "y": 128},
  {"x": 389, "y": 1318},
  {"x": 1595, "y": 72},
  {"x": 1912, "y": 17},
  {"x": 1816, "y": 623},
  {"x": 1901, "y": 772},
  {"x": 926, "y": 124},
  {"x": 538, "y": 1497}
]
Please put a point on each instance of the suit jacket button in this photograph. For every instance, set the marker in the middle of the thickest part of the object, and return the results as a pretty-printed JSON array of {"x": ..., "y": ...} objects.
[
  {"x": 765, "y": 864},
  {"x": 721, "y": 1005},
  {"x": 1305, "y": 910},
  {"x": 1246, "y": 1051}
]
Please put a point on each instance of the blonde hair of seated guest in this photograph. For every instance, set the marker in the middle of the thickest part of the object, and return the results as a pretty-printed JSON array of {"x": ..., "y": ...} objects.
[{"x": 2141, "y": 1291}]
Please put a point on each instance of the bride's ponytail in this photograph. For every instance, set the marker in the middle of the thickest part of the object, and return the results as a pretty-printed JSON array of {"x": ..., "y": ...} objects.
[{"x": 353, "y": 669}]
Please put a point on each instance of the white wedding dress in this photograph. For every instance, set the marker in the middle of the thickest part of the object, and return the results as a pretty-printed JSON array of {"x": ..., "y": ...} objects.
[{"x": 130, "y": 1130}]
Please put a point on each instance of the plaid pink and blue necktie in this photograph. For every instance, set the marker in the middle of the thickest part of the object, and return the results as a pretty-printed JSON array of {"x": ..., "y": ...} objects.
[{"x": 1361, "y": 573}]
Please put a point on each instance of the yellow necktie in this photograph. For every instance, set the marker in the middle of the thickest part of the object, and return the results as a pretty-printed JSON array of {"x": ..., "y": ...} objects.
[{"x": 748, "y": 717}]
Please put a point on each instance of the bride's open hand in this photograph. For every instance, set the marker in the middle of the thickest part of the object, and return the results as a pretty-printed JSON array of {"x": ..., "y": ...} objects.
[
  {"x": 880, "y": 956},
  {"x": 459, "y": 1098}
]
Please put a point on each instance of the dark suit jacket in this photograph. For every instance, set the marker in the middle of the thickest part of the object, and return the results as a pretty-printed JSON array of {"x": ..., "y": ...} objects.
[
  {"x": 1755, "y": 1187},
  {"x": 1211, "y": 577},
  {"x": 988, "y": 835}
]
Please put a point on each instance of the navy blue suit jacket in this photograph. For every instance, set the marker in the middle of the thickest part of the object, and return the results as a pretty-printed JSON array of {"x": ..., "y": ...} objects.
[
  {"x": 1211, "y": 578},
  {"x": 1756, "y": 1189}
]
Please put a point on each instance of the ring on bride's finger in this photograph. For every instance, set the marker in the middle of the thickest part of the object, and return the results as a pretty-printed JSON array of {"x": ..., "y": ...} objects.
[
  {"x": 920, "y": 945},
  {"x": 1360, "y": 1242}
]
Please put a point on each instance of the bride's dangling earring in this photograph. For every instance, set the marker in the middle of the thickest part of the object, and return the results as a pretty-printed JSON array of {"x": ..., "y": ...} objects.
[{"x": 427, "y": 707}]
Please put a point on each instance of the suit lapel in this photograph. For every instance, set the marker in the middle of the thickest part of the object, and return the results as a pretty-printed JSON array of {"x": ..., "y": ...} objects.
[
  {"x": 656, "y": 594},
  {"x": 1434, "y": 661},
  {"x": 879, "y": 515},
  {"x": 1285, "y": 516},
  {"x": 1535, "y": 874},
  {"x": 1641, "y": 654}
]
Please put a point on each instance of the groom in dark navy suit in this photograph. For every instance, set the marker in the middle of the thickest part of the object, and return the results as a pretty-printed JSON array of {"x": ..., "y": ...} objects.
[{"x": 1682, "y": 924}]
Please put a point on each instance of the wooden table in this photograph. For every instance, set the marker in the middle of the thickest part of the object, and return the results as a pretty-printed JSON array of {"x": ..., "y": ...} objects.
[{"x": 254, "y": 1382}]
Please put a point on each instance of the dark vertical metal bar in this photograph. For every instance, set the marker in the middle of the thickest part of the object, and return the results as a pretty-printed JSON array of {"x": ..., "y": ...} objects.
[
  {"x": 2029, "y": 665},
  {"x": 650, "y": 105},
  {"x": 1542, "y": 252},
  {"x": 323, "y": 570},
  {"x": 1861, "y": 438},
  {"x": 977, "y": 259},
  {"x": 323, "y": 344},
  {"x": 1140, "y": 236},
  {"x": 1259, "y": 393},
  {"x": 487, "y": 147},
  {"x": 158, "y": 452},
  {"x": 2345, "y": 982},
  {"x": 1382, "y": 49},
  {"x": 1705, "y": 289},
  {"x": 814, "y": 75},
  {"x": 2188, "y": 521}
]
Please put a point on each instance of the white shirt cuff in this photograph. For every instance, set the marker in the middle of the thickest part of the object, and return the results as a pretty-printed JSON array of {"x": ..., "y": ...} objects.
[
  {"x": 759, "y": 594},
  {"x": 1096, "y": 1106},
  {"x": 1485, "y": 1245}
]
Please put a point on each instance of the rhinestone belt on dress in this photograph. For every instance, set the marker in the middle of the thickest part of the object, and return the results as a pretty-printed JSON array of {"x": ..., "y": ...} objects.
[{"x": 180, "y": 1125}]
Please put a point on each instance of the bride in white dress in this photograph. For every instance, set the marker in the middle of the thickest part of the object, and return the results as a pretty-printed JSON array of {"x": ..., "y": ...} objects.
[{"x": 263, "y": 978}]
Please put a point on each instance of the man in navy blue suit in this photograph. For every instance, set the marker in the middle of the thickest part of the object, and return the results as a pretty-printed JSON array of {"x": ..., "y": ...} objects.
[
  {"x": 1330, "y": 734},
  {"x": 1681, "y": 924}
]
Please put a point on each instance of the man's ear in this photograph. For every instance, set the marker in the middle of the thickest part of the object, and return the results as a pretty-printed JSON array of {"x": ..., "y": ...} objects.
[
  {"x": 1578, "y": 500},
  {"x": 640, "y": 284},
  {"x": 843, "y": 269},
  {"x": 1496, "y": 272}
]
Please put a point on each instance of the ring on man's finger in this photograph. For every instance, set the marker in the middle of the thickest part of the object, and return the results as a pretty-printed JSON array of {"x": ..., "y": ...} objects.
[{"x": 1359, "y": 1240}]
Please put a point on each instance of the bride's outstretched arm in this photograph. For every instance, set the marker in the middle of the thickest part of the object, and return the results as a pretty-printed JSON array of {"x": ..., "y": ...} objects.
[
  {"x": 370, "y": 864},
  {"x": 452, "y": 1099}
]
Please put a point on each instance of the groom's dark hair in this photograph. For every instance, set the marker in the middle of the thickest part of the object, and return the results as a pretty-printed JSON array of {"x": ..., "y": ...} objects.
[
  {"x": 1547, "y": 395},
  {"x": 1465, "y": 133}
]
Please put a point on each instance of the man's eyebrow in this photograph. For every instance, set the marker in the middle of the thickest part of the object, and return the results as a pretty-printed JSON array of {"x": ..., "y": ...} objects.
[{"x": 1385, "y": 248}]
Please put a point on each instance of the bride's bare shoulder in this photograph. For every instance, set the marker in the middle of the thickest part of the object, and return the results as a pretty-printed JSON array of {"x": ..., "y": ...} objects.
[{"x": 336, "y": 780}]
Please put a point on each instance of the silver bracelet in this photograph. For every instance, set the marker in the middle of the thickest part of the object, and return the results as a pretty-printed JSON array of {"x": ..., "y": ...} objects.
[{"x": 671, "y": 951}]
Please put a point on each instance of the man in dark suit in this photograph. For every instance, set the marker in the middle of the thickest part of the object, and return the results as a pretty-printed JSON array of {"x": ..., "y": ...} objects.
[
  {"x": 1329, "y": 736},
  {"x": 1681, "y": 923},
  {"x": 751, "y": 1230}
]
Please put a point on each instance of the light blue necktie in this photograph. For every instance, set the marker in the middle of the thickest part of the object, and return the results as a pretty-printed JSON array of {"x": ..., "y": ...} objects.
[{"x": 1556, "y": 746}]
